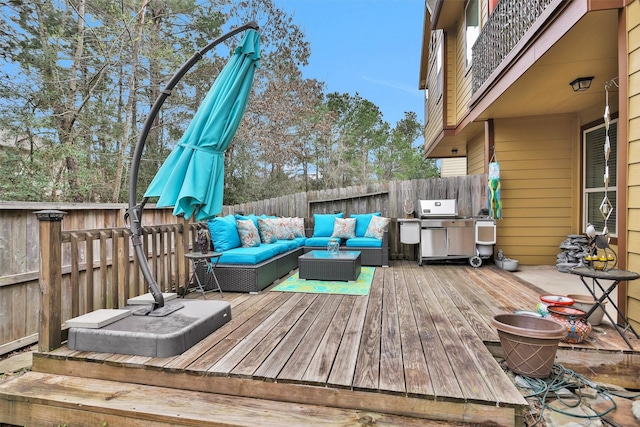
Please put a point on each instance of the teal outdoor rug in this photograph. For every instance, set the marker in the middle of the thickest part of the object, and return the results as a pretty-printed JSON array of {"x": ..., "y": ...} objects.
[{"x": 360, "y": 287}]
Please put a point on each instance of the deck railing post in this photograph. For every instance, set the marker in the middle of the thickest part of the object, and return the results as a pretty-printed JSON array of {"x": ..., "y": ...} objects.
[
  {"x": 182, "y": 247},
  {"x": 50, "y": 278}
]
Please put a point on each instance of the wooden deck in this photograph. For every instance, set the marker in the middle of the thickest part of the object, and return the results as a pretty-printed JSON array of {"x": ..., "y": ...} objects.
[{"x": 419, "y": 346}]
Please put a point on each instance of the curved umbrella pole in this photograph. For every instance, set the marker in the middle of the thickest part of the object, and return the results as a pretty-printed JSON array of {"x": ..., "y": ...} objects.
[{"x": 133, "y": 216}]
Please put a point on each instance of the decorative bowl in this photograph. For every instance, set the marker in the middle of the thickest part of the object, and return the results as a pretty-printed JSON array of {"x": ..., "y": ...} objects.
[{"x": 507, "y": 264}]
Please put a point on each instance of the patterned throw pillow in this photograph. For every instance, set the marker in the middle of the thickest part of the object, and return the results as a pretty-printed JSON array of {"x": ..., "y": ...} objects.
[
  {"x": 377, "y": 227},
  {"x": 248, "y": 233},
  {"x": 362, "y": 222},
  {"x": 282, "y": 228},
  {"x": 252, "y": 217},
  {"x": 267, "y": 233},
  {"x": 297, "y": 226},
  {"x": 344, "y": 228}
]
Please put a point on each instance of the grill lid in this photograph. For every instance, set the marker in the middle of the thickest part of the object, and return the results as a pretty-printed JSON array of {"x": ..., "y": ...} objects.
[{"x": 442, "y": 208}]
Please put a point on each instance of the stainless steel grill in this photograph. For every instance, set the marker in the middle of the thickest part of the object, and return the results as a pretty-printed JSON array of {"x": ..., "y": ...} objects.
[
  {"x": 444, "y": 208},
  {"x": 444, "y": 235}
]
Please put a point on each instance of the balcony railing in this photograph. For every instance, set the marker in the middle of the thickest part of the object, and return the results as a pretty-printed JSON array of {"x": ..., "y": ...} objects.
[{"x": 507, "y": 24}]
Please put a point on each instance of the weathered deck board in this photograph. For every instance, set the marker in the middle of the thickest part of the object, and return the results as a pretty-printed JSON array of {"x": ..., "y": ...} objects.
[
  {"x": 271, "y": 341},
  {"x": 450, "y": 329},
  {"x": 485, "y": 366},
  {"x": 440, "y": 371},
  {"x": 232, "y": 358},
  {"x": 367, "y": 375},
  {"x": 320, "y": 365},
  {"x": 420, "y": 344},
  {"x": 473, "y": 304},
  {"x": 296, "y": 366},
  {"x": 416, "y": 371},
  {"x": 71, "y": 399},
  {"x": 221, "y": 341},
  {"x": 391, "y": 364},
  {"x": 275, "y": 361},
  {"x": 344, "y": 363}
]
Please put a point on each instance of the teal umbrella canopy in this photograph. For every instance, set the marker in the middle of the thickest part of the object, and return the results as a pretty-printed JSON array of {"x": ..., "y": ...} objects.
[{"x": 192, "y": 177}]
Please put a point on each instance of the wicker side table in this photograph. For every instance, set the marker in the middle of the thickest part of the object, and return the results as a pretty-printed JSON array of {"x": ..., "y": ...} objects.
[{"x": 320, "y": 265}]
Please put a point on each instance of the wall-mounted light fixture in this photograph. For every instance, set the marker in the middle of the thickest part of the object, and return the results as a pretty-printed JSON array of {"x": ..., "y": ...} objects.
[
  {"x": 581, "y": 83},
  {"x": 454, "y": 151}
]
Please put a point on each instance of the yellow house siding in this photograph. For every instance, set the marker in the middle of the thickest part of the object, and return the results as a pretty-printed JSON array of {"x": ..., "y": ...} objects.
[
  {"x": 634, "y": 134},
  {"x": 537, "y": 175},
  {"x": 633, "y": 158},
  {"x": 453, "y": 62},
  {"x": 475, "y": 155},
  {"x": 456, "y": 166}
]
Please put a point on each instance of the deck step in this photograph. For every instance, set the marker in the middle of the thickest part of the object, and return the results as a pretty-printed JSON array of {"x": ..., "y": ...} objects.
[{"x": 45, "y": 399}]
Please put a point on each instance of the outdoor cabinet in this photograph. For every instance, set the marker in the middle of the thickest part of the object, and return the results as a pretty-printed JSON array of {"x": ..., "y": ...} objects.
[
  {"x": 433, "y": 243},
  {"x": 460, "y": 240},
  {"x": 447, "y": 238}
]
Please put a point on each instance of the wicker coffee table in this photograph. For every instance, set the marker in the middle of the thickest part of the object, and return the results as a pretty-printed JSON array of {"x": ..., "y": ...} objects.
[{"x": 320, "y": 265}]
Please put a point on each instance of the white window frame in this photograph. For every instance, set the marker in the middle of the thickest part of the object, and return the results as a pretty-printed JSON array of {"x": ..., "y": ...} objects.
[
  {"x": 598, "y": 221},
  {"x": 471, "y": 30}
]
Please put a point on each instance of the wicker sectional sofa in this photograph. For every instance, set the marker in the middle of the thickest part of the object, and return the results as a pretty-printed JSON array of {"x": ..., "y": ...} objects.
[
  {"x": 253, "y": 267},
  {"x": 370, "y": 256},
  {"x": 251, "y": 277}
]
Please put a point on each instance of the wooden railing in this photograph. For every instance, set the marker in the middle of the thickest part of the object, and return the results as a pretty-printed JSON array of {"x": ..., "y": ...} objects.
[
  {"x": 108, "y": 281},
  {"x": 103, "y": 272}
]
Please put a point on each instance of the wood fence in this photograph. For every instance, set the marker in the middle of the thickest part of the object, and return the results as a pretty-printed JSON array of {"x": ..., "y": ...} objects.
[
  {"x": 387, "y": 198},
  {"x": 97, "y": 266},
  {"x": 89, "y": 232}
]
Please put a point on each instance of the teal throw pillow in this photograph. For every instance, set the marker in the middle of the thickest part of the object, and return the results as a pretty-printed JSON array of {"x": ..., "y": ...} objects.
[
  {"x": 323, "y": 224},
  {"x": 362, "y": 222},
  {"x": 224, "y": 233}
]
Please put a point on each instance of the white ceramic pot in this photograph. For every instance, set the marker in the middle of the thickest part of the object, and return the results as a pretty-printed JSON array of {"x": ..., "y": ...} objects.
[{"x": 584, "y": 303}]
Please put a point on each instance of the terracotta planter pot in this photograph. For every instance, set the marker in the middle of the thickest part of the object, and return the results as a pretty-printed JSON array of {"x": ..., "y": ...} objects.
[{"x": 529, "y": 343}]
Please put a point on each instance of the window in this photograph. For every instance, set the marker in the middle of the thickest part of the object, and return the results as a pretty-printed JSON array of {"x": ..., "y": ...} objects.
[
  {"x": 593, "y": 176},
  {"x": 472, "y": 28}
]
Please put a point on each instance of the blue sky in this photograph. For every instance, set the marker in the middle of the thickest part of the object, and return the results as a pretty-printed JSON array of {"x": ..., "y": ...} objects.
[{"x": 367, "y": 46}]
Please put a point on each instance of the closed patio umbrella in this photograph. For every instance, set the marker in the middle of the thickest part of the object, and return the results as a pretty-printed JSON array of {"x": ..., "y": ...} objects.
[{"x": 192, "y": 177}]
